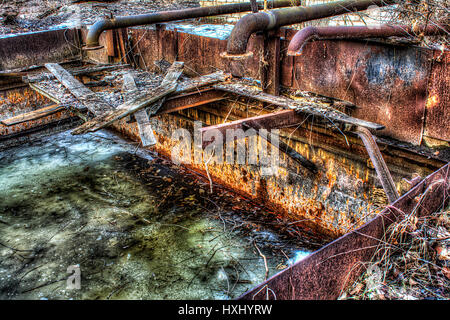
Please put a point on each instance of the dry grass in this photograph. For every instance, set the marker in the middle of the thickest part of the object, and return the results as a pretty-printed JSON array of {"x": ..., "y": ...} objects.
[
  {"x": 424, "y": 12},
  {"x": 412, "y": 263}
]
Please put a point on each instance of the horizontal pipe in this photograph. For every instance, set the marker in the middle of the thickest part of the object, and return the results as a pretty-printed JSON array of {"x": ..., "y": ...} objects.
[
  {"x": 92, "y": 39},
  {"x": 262, "y": 21},
  {"x": 358, "y": 32}
]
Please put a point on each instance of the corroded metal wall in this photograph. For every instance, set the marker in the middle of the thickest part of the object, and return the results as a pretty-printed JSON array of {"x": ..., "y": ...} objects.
[
  {"x": 387, "y": 83},
  {"x": 326, "y": 273},
  {"x": 37, "y": 48},
  {"x": 343, "y": 195}
]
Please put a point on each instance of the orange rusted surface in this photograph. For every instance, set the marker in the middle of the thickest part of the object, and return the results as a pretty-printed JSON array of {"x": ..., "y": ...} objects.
[
  {"x": 326, "y": 273},
  {"x": 437, "y": 124},
  {"x": 20, "y": 101},
  {"x": 339, "y": 198}
]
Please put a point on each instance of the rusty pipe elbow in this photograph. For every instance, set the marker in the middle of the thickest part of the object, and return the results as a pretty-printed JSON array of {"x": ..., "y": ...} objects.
[
  {"x": 262, "y": 21},
  {"x": 244, "y": 28},
  {"x": 300, "y": 39},
  {"x": 93, "y": 36},
  {"x": 359, "y": 32},
  {"x": 92, "y": 40}
]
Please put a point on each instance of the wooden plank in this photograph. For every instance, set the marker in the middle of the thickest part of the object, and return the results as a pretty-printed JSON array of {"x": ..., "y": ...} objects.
[
  {"x": 33, "y": 115},
  {"x": 144, "y": 126},
  {"x": 309, "y": 107},
  {"x": 137, "y": 103},
  {"x": 45, "y": 93},
  {"x": 77, "y": 72},
  {"x": 90, "y": 99}
]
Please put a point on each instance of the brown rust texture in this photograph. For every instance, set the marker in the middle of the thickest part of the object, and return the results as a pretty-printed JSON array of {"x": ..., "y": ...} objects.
[
  {"x": 387, "y": 83},
  {"x": 328, "y": 271},
  {"x": 340, "y": 197},
  {"x": 20, "y": 101},
  {"x": 25, "y": 50},
  {"x": 438, "y": 102}
]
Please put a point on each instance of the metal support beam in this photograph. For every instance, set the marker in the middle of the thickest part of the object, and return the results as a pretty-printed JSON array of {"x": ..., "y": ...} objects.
[
  {"x": 378, "y": 162},
  {"x": 270, "y": 64}
]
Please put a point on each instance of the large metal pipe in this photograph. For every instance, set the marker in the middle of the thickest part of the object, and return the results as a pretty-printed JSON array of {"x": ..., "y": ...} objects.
[
  {"x": 261, "y": 21},
  {"x": 359, "y": 32},
  {"x": 92, "y": 39}
]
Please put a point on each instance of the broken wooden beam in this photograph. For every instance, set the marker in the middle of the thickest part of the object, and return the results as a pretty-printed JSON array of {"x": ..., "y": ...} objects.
[
  {"x": 378, "y": 162},
  {"x": 79, "y": 72},
  {"x": 44, "y": 93},
  {"x": 88, "y": 98},
  {"x": 137, "y": 103},
  {"x": 193, "y": 99},
  {"x": 275, "y": 120},
  {"x": 308, "y": 107},
  {"x": 143, "y": 122},
  {"x": 33, "y": 115}
]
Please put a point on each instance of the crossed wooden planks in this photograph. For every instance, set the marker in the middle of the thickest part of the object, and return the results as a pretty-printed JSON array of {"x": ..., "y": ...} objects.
[
  {"x": 105, "y": 114},
  {"x": 145, "y": 128},
  {"x": 138, "y": 102}
]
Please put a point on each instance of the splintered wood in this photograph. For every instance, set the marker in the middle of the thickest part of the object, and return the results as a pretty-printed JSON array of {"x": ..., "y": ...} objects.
[
  {"x": 144, "y": 126},
  {"x": 63, "y": 88},
  {"x": 140, "y": 101},
  {"x": 91, "y": 100},
  {"x": 33, "y": 115},
  {"x": 77, "y": 72}
]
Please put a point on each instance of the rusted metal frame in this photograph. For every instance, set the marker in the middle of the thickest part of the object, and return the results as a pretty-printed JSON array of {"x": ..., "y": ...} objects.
[
  {"x": 34, "y": 49},
  {"x": 262, "y": 21},
  {"x": 92, "y": 39},
  {"x": 270, "y": 63},
  {"x": 111, "y": 45},
  {"x": 359, "y": 32},
  {"x": 378, "y": 162},
  {"x": 284, "y": 147},
  {"x": 191, "y": 100},
  {"x": 324, "y": 274}
]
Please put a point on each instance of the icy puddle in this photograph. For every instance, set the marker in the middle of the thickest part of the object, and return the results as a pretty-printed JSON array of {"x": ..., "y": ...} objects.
[{"x": 136, "y": 227}]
